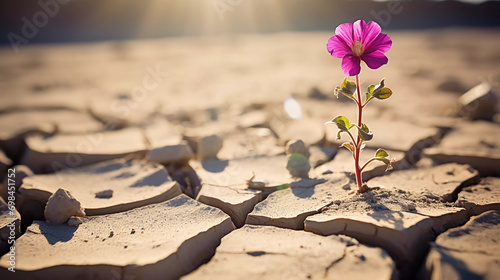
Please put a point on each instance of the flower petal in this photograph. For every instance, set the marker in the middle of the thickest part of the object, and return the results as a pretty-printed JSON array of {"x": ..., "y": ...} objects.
[
  {"x": 368, "y": 31},
  {"x": 345, "y": 32},
  {"x": 358, "y": 28},
  {"x": 375, "y": 59},
  {"x": 351, "y": 65},
  {"x": 382, "y": 43},
  {"x": 337, "y": 47}
]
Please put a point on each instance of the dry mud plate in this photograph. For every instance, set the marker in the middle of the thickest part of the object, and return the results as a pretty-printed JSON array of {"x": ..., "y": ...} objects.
[
  {"x": 227, "y": 170},
  {"x": 160, "y": 241}
]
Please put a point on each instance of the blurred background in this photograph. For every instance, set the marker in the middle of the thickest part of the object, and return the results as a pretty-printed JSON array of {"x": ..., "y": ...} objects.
[
  {"x": 93, "y": 20},
  {"x": 202, "y": 65}
]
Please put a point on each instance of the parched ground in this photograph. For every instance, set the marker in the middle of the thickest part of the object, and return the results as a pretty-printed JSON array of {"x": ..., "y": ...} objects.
[{"x": 175, "y": 150}]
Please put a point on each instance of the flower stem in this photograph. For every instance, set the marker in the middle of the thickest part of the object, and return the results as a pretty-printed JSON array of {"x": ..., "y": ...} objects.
[{"x": 359, "y": 179}]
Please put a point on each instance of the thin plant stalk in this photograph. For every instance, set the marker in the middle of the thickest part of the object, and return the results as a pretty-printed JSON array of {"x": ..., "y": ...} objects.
[{"x": 359, "y": 179}]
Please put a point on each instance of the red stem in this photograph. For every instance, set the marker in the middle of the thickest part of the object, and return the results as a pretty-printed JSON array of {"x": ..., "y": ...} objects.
[
  {"x": 358, "y": 142},
  {"x": 362, "y": 168}
]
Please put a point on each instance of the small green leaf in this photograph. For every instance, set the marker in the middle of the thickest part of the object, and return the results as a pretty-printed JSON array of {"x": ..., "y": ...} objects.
[
  {"x": 364, "y": 132},
  {"x": 348, "y": 87},
  {"x": 369, "y": 92},
  {"x": 383, "y": 93},
  {"x": 342, "y": 123},
  {"x": 379, "y": 91},
  {"x": 282, "y": 187},
  {"x": 338, "y": 134},
  {"x": 381, "y": 153},
  {"x": 348, "y": 146}
]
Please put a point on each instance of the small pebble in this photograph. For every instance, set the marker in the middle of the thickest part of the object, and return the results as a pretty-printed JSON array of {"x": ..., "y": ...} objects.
[
  {"x": 104, "y": 194},
  {"x": 297, "y": 147},
  {"x": 74, "y": 221}
]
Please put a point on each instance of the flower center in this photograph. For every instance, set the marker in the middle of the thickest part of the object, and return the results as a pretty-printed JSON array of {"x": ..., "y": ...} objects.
[{"x": 358, "y": 48}]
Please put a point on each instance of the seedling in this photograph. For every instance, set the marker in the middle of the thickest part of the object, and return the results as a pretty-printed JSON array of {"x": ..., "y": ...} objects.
[{"x": 353, "y": 43}]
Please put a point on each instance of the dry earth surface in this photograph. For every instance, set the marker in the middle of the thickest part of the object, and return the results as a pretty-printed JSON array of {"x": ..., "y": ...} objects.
[{"x": 176, "y": 150}]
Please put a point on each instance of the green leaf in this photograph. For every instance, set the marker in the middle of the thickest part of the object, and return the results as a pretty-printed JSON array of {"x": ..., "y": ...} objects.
[
  {"x": 381, "y": 153},
  {"x": 347, "y": 88},
  {"x": 342, "y": 123},
  {"x": 282, "y": 187},
  {"x": 380, "y": 91},
  {"x": 364, "y": 132},
  {"x": 348, "y": 146},
  {"x": 383, "y": 93},
  {"x": 369, "y": 92}
]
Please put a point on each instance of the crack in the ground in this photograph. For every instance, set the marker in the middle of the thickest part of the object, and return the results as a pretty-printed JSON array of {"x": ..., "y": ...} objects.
[{"x": 332, "y": 264}]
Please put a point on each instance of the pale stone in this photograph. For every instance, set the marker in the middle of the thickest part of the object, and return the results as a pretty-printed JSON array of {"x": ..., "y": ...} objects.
[
  {"x": 297, "y": 147},
  {"x": 473, "y": 143},
  {"x": 54, "y": 153},
  {"x": 104, "y": 194},
  {"x": 471, "y": 251},
  {"x": 209, "y": 146},
  {"x": 479, "y": 103},
  {"x": 134, "y": 184},
  {"x": 298, "y": 165},
  {"x": 165, "y": 143},
  {"x": 443, "y": 181},
  {"x": 267, "y": 252},
  {"x": 74, "y": 221},
  {"x": 159, "y": 241},
  {"x": 61, "y": 206}
]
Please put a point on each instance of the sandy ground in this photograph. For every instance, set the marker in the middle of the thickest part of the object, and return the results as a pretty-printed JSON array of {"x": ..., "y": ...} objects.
[{"x": 178, "y": 101}]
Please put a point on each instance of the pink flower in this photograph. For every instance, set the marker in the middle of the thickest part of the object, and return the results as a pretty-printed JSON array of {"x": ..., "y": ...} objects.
[{"x": 359, "y": 41}]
